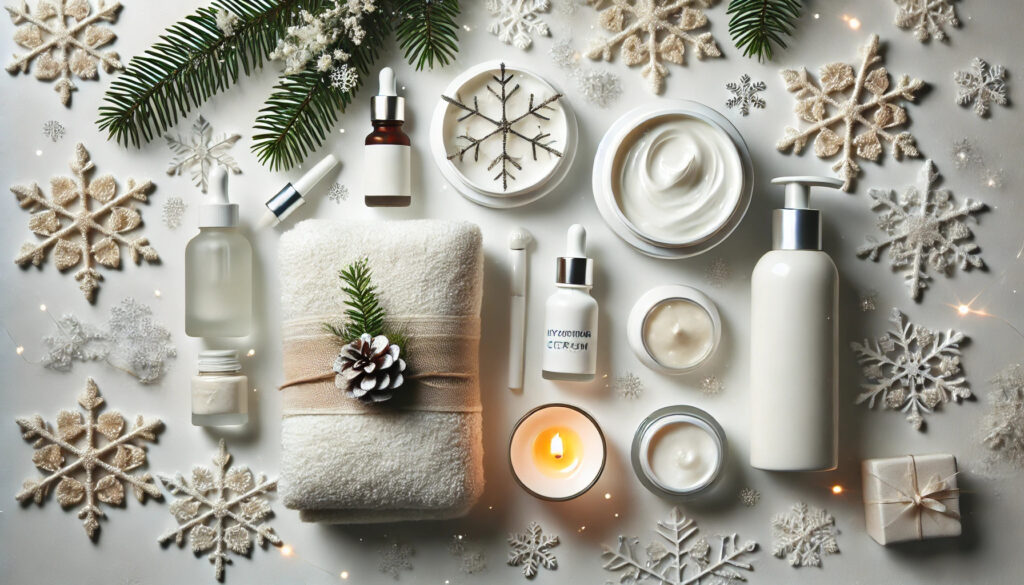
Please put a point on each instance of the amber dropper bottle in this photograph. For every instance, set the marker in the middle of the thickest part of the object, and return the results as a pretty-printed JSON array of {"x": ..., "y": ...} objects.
[{"x": 386, "y": 181}]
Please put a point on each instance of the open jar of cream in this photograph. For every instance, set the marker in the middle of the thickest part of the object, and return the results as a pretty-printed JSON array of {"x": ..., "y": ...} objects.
[
  {"x": 679, "y": 451},
  {"x": 674, "y": 329}
]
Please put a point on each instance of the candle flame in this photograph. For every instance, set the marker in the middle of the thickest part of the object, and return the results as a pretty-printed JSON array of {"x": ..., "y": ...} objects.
[{"x": 557, "y": 449}]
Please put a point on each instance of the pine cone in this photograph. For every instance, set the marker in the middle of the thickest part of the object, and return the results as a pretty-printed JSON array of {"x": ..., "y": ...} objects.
[{"x": 369, "y": 368}]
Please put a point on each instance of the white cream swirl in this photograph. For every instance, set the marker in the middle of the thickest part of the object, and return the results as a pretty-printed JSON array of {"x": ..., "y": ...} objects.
[{"x": 679, "y": 180}]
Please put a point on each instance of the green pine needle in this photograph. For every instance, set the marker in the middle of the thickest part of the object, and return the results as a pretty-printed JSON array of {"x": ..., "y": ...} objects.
[
  {"x": 756, "y": 25},
  {"x": 364, "y": 313},
  {"x": 427, "y": 31}
]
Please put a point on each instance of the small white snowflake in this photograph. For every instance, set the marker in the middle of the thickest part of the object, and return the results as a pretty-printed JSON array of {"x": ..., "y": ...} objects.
[
  {"x": 395, "y": 557},
  {"x": 750, "y": 497},
  {"x": 226, "y": 22},
  {"x": 338, "y": 193},
  {"x": 344, "y": 77},
  {"x": 629, "y": 386},
  {"x": 912, "y": 369},
  {"x": 926, "y": 17},
  {"x": 924, "y": 229},
  {"x": 516, "y": 21},
  {"x": 744, "y": 94},
  {"x": 804, "y": 535},
  {"x": 868, "y": 301},
  {"x": 174, "y": 212},
  {"x": 600, "y": 88},
  {"x": 711, "y": 385},
  {"x": 532, "y": 550},
  {"x": 981, "y": 85},
  {"x": 137, "y": 344},
  {"x": 220, "y": 510},
  {"x": 563, "y": 54},
  {"x": 200, "y": 152},
  {"x": 1002, "y": 428},
  {"x": 718, "y": 273},
  {"x": 53, "y": 130},
  {"x": 89, "y": 473}
]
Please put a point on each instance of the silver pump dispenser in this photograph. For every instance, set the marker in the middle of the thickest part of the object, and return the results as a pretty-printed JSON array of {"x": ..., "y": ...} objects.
[
  {"x": 796, "y": 226},
  {"x": 575, "y": 269}
]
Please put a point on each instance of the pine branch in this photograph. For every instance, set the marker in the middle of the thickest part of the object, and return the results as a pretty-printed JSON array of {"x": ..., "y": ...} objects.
[
  {"x": 364, "y": 313},
  {"x": 756, "y": 25},
  {"x": 426, "y": 31},
  {"x": 193, "y": 61}
]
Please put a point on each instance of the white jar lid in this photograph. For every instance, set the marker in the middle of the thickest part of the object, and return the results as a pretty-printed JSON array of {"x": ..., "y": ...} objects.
[{"x": 219, "y": 360}]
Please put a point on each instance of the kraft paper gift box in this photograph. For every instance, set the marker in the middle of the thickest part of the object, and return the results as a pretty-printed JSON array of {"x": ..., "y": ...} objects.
[{"x": 914, "y": 497}]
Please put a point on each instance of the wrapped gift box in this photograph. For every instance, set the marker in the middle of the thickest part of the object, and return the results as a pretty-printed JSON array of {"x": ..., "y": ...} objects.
[{"x": 913, "y": 497}]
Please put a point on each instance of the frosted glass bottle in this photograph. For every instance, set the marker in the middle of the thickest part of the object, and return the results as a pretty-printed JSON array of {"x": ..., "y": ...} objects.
[{"x": 218, "y": 270}]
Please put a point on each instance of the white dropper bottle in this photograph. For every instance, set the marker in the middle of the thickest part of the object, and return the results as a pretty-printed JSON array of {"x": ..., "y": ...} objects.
[{"x": 570, "y": 323}]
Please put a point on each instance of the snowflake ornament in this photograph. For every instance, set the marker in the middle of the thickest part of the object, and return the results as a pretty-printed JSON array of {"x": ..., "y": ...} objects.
[
  {"x": 60, "y": 49},
  {"x": 750, "y": 497},
  {"x": 220, "y": 510},
  {"x": 516, "y": 21},
  {"x": 344, "y": 77},
  {"x": 506, "y": 126},
  {"x": 174, "y": 212},
  {"x": 924, "y": 228},
  {"x": 912, "y": 369},
  {"x": 136, "y": 344},
  {"x": 1002, "y": 428},
  {"x": 926, "y": 17},
  {"x": 744, "y": 95},
  {"x": 600, "y": 88},
  {"x": 532, "y": 550},
  {"x": 199, "y": 152},
  {"x": 836, "y": 101},
  {"x": 70, "y": 232},
  {"x": 73, "y": 341},
  {"x": 804, "y": 535},
  {"x": 338, "y": 193},
  {"x": 652, "y": 32},
  {"x": 53, "y": 130},
  {"x": 87, "y": 472},
  {"x": 683, "y": 562},
  {"x": 629, "y": 386},
  {"x": 395, "y": 557},
  {"x": 711, "y": 386},
  {"x": 981, "y": 85}
]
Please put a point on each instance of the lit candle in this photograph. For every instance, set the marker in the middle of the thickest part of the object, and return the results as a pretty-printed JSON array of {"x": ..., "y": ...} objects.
[
  {"x": 557, "y": 452},
  {"x": 679, "y": 451},
  {"x": 674, "y": 329}
]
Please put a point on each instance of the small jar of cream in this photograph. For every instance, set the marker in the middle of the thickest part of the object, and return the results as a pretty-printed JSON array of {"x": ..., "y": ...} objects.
[
  {"x": 679, "y": 451},
  {"x": 674, "y": 329},
  {"x": 219, "y": 391}
]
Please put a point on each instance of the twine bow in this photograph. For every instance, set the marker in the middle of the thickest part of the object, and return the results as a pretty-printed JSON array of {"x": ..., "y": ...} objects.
[{"x": 918, "y": 499}]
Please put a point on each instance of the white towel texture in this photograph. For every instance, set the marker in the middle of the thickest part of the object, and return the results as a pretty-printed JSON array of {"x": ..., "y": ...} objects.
[{"x": 388, "y": 462}]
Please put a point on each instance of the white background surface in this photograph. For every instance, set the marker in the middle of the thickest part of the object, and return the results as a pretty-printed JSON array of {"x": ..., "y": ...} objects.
[{"x": 48, "y": 545}]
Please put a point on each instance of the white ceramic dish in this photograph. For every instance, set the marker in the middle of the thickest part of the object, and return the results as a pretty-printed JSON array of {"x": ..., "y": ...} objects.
[
  {"x": 472, "y": 178},
  {"x": 606, "y": 165}
]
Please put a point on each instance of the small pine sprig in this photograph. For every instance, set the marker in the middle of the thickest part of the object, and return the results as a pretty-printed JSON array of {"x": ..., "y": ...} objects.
[
  {"x": 364, "y": 313},
  {"x": 756, "y": 25},
  {"x": 426, "y": 31}
]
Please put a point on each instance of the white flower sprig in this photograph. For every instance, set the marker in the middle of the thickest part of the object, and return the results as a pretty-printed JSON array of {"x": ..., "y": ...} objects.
[{"x": 311, "y": 41}]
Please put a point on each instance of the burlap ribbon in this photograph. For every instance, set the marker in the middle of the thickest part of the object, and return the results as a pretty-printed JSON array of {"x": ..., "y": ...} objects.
[
  {"x": 442, "y": 373},
  {"x": 919, "y": 499}
]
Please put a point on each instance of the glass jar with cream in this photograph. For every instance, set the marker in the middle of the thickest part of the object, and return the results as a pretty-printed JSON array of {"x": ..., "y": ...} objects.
[
  {"x": 674, "y": 329},
  {"x": 679, "y": 451}
]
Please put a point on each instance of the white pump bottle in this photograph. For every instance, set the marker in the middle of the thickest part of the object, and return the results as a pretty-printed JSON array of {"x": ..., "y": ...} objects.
[{"x": 794, "y": 330}]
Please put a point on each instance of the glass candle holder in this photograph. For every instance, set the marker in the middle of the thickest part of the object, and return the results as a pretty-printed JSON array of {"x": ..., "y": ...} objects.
[
  {"x": 674, "y": 329},
  {"x": 557, "y": 452},
  {"x": 679, "y": 451}
]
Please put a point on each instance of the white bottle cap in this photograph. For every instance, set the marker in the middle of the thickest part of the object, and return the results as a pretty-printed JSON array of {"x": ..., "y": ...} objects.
[
  {"x": 308, "y": 181},
  {"x": 216, "y": 210},
  {"x": 293, "y": 196},
  {"x": 219, "y": 360},
  {"x": 575, "y": 269}
]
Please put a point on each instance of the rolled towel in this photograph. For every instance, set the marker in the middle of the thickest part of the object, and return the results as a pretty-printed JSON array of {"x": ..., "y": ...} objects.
[{"x": 419, "y": 456}]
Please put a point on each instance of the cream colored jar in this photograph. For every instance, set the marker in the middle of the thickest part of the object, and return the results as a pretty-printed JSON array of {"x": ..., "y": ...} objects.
[
  {"x": 220, "y": 394},
  {"x": 674, "y": 329}
]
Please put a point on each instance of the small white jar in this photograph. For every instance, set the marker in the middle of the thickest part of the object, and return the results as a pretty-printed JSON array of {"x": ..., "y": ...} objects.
[
  {"x": 673, "y": 329},
  {"x": 219, "y": 392},
  {"x": 679, "y": 451}
]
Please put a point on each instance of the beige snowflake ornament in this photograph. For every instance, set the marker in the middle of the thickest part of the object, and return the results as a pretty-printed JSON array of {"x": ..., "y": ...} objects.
[
  {"x": 59, "y": 48},
  {"x": 71, "y": 232},
  {"x": 651, "y": 32},
  {"x": 848, "y": 101}
]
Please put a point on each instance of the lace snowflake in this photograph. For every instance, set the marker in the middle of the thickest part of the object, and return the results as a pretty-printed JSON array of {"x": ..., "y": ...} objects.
[
  {"x": 878, "y": 114},
  {"x": 174, "y": 212},
  {"x": 651, "y": 32},
  {"x": 981, "y": 85},
  {"x": 70, "y": 232},
  {"x": 137, "y": 345},
  {"x": 338, "y": 193},
  {"x": 395, "y": 557},
  {"x": 744, "y": 94},
  {"x": 85, "y": 471},
  {"x": 53, "y": 130},
  {"x": 600, "y": 88},
  {"x": 682, "y": 562},
  {"x": 73, "y": 341},
  {"x": 59, "y": 49},
  {"x": 506, "y": 127},
  {"x": 220, "y": 510},
  {"x": 911, "y": 369},
  {"x": 344, "y": 77},
  {"x": 750, "y": 497},
  {"x": 1002, "y": 427},
  {"x": 516, "y": 21},
  {"x": 926, "y": 17},
  {"x": 924, "y": 228},
  {"x": 532, "y": 550},
  {"x": 804, "y": 535},
  {"x": 629, "y": 386},
  {"x": 199, "y": 152}
]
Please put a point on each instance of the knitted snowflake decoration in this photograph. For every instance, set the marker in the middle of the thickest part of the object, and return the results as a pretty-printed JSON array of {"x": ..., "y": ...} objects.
[
  {"x": 804, "y": 535},
  {"x": 220, "y": 510},
  {"x": 926, "y": 17},
  {"x": 532, "y": 550},
  {"x": 836, "y": 101},
  {"x": 517, "y": 20},
  {"x": 651, "y": 32},
  {"x": 912, "y": 369},
  {"x": 70, "y": 232},
  {"x": 199, "y": 152},
  {"x": 683, "y": 562},
  {"x": 744, "y": 95},
  {"x": 85, "y": 471},
  {"x": 924, "y": 228},
  {"x": 982, "y": 86},
  {"x": 1003, "y": 425}
]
